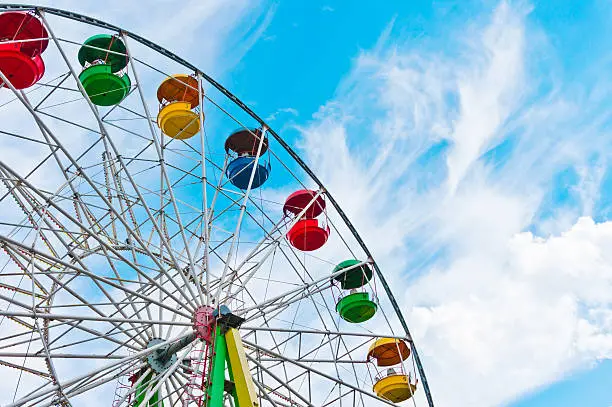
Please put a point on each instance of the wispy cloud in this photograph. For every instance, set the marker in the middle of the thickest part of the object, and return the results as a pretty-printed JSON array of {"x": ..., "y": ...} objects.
[{"x": 288, "y": 111}]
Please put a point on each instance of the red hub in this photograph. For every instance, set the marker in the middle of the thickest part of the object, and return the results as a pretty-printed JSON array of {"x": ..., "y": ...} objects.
[{"x": 203, "y": 322}]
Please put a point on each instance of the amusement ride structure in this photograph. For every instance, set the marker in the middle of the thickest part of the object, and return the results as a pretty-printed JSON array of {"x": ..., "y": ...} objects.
[{"x": 164, "y": 257}]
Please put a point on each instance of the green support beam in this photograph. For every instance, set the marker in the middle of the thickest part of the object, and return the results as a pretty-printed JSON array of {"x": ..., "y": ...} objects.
[{"x": 216, "y": 386}]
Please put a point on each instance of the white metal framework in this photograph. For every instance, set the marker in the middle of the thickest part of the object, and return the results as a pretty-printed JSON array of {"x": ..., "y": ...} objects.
[{"x": 113, "y": 234}]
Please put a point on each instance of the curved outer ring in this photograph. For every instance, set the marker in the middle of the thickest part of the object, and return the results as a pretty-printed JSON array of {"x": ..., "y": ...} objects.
[{"x": 93, "y": 21}]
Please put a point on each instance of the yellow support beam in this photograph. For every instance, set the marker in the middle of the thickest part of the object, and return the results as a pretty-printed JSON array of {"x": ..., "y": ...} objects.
[{"x": 246, "y": 395}]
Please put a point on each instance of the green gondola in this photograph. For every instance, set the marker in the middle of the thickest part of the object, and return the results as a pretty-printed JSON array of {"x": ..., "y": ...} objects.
[
  {"x": 104, "y": 60},
  {"x": 356, "y": 307}
]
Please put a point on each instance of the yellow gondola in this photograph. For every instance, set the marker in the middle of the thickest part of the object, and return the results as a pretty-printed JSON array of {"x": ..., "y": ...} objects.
[
  {"x": 391, "y": 385},
  {"x": 177, "y": 95},
  {"x": 395, "y": 387}
]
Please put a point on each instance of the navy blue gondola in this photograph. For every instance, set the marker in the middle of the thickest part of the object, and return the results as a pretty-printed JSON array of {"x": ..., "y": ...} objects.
[
  {"x": 239, "y": 172},
  {"x": 243, "y": 145}
]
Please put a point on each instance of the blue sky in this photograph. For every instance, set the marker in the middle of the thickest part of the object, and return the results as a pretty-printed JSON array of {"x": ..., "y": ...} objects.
[
  {"x": 469, "y": 143},
  {"x": 590, "y": 388}
]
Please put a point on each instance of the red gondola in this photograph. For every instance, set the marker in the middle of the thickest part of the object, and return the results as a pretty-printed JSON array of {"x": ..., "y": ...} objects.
[
  {"x": 20, "y": 61},
  {"x": 308, "y": 233}
]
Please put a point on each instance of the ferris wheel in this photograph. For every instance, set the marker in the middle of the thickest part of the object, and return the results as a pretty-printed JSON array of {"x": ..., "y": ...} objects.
[{"x": 163, "y": 246}]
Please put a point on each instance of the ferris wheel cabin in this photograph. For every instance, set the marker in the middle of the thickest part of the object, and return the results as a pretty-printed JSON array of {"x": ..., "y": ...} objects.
[
  {"x": 391, "y": 384},
  {"x": 358, "y": 305},
  {"x": 104, "y": 77},
  {"x": 178, "y": 95},
  {"x": 308, "y": 233},
  {"x": 244, "y": 145},
  {"x": 395, "y": 387},
  {"x": 21, "y": 62}
]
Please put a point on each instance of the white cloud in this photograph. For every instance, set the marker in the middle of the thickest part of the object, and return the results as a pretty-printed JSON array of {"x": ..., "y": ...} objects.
[
  {"x": 488, "y": 90},
  {"x": 495, "y": 310},
  {"x": 288, "y": 111},
  {"x": 514, "y": 320}
]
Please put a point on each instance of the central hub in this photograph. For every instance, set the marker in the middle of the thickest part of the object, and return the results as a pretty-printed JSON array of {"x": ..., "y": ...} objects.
[
  {"x": 161, "y": 359},
  {"x": 205, "y": 319},
  {"x": 203, "y": 322}
]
